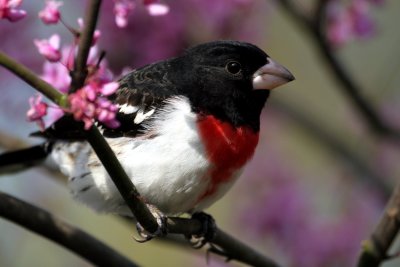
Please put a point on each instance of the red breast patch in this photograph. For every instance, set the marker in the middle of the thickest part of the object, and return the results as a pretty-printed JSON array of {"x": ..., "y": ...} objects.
[{"x": 227, "y": 147}]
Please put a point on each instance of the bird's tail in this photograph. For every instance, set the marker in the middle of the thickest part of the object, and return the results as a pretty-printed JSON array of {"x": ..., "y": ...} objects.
[{"x": 19, "y": 160}]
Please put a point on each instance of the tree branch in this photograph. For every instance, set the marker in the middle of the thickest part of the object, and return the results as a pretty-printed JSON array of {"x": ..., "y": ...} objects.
[
  {"x": 85, "y": 42},
  {"x": 374, "y": 250},
  {"x": 229, "y": 247},
  {"x": 121, "y": 180},
  {"x": 33, "y": 80},
  {"x": 349, "y": 86},
  {"x": 96, "y": 140},
  {"x": 43, "y": 223}
]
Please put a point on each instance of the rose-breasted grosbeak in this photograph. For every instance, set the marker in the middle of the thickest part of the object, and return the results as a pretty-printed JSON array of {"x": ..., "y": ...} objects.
[{"x": 188, "y": 126}]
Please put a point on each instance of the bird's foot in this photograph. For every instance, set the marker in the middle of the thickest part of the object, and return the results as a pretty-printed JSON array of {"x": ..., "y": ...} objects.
[
  {"x": 207, "y": 233},
  {"x": 162, "y": 226}
]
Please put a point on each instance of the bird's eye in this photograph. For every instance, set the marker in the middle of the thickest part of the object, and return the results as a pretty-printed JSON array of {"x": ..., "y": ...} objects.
[{"x": 233, "y": 67}]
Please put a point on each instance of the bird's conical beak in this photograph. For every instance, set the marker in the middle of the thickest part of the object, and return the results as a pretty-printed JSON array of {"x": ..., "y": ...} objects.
[{"x": 270, "y": 76}]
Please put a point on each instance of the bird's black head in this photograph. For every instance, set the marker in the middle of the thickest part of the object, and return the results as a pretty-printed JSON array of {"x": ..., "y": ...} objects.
[{"x": 229, "y": 79}]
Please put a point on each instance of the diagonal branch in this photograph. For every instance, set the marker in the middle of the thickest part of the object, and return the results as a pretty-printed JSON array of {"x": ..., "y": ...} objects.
[
  {"x": 349, "y": 86},
  {"x": 43, "y": 223},
  {"x": 121, "y": 180},
  {"x": 85, "y": 42},
  {"x": 33, "y": 80},
  {"x": 375, "y": 250}
]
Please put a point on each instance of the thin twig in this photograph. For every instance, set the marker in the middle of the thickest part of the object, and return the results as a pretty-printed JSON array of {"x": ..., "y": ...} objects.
[
  {"x": 375, "y": 250},
  {"x": 236, "y": 250},
  {"x": 9, "y": 142},
  {"x": 231, "y": 248},
  {"x": 121, "y": 180},
  {"x": 43, "y": 223},
  {"x": 85, "y": 42},
  {"x": 349, "y": 86},
  {"x": 33, "y": 80}
]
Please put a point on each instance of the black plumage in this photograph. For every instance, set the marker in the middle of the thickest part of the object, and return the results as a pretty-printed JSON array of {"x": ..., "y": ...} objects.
[{"x": 215, "y": 77}]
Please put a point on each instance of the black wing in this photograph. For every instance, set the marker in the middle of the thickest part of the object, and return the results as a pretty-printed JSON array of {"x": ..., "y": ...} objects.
[{"x": 140, "y": 94}]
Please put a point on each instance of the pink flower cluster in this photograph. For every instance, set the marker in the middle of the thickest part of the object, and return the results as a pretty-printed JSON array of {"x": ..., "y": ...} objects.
[
  {"x": 90, "y": 102},
  {"x": 349, "y": 21},
  {"x": 9, "y": 10},
  {"x": 87, "y": 104},
  {"x": 123, "y": 8}
]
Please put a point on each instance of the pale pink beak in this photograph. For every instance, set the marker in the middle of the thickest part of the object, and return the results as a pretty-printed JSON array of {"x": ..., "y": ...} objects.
[{"x": 270, "y": 76}]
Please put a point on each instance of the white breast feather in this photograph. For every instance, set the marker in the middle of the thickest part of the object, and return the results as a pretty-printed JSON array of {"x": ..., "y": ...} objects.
[{"x": 170, "y": 170}]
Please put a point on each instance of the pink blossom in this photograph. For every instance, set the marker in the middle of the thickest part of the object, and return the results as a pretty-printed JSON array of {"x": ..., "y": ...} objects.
[
  {"x": 57, "y": 75},
  {"x": 122, "y": 10},
  {"x": 156, "y": 8},
  {"x": 89, "y": 104},
  {"x": 109, "y": 88},
  {"x": 339, "y": 28},
  {"x": 101, "y": 73},
  {"x": 9, "y": 10},
  {"x": 50, "y": 14},
  {"x": 37, "y": 111},
  {"x": 50, "y": 49}
]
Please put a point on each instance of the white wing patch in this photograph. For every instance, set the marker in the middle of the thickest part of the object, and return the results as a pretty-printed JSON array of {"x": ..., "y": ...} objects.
[
  {"x": 128, "y": 109},
  {"x": 141, "y": 116}
]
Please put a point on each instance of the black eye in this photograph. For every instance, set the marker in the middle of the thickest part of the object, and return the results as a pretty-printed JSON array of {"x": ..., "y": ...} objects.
[{"x": 233, "y": 67}]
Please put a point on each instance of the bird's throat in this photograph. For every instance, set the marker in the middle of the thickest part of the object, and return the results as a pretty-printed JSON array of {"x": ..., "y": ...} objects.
[{"x": 228, "y": 148}]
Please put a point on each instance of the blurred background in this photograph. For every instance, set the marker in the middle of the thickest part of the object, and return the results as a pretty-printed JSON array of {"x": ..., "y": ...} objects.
[{"x": 320, "y": 176}]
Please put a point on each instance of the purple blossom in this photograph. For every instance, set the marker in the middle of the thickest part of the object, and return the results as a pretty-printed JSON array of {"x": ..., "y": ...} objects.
[
  {"x": 50, "y": 48},
  {"x": 363, "y": 25},
  {"x": 50, "y": 14},
  {"x": 349, "y": 21},
  {"x": 57, "y": 75},
  {"x": 122, "y": 10},
  {"x": 9, "y": 10},
  {"x": 37, "y": 111},
  {"x": 283, "y": 212}
]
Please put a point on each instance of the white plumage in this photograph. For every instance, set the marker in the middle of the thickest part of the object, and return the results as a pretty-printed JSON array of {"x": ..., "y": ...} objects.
[{"x": 170, "y": 168}]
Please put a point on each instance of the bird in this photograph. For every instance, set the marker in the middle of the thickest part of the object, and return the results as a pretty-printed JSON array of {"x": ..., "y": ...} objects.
[{"x": 188, "y": 126}]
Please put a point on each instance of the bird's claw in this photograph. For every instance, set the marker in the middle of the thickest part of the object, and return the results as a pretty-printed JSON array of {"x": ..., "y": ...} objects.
[
  {"x": 162, "y": 229},
  {"x": 208, "y": 230}
]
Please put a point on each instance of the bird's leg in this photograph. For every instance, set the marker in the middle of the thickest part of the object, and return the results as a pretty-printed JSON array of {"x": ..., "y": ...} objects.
[
  {"x": 162, "y": 226},
  {"x": 207, "y": 233}
]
